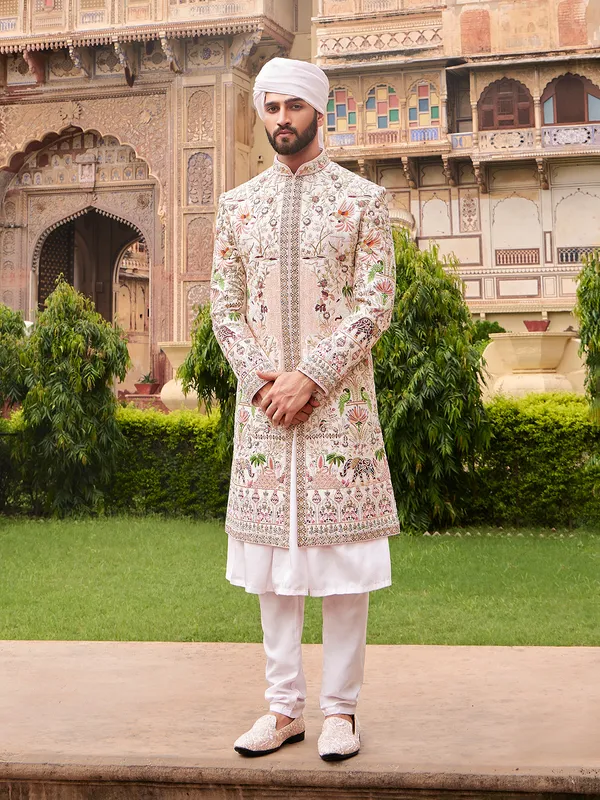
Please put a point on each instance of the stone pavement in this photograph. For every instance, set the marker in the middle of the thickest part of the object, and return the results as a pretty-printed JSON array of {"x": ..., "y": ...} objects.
[{"x": 107, "y": 719}]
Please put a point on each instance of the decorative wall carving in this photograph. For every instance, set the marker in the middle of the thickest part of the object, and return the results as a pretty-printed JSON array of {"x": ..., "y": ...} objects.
[
  {"x": 199, "y": 247},
  {"x": 139, "y": 121},
  {"x": 469, "y": 210},
  {"x": 154, "y": 58},
  {"x": 197, "y": 294},
  {"x": 341, "y": 44},
  {"x": 206, "y": 53},
  {"x": 200, "y": 180},
  {"x": 61, "y": 66},
  {"x": 200, "y": 116},
  {"x": 107, "y": 61}
]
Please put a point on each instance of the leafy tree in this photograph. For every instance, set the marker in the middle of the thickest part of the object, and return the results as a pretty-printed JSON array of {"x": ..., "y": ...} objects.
[
  {"x": 207, "y": 371},
  {"x": 12, "y": 342},
  {"x": 70, "y": 434},
  {"x": 587, "y": 310},
  {"x": 428, "y": 373},
  {"x": 482, "y": 329}
]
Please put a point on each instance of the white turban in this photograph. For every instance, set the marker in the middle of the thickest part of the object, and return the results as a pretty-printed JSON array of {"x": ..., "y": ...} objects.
[{"x": 296, "y": 79}]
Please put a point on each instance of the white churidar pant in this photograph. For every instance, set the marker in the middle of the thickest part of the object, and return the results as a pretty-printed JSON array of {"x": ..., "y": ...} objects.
[
  {"x": 344, "y": 644},
  {"x": 318, "y": 571},
  {"x": 343, "y": 575}
]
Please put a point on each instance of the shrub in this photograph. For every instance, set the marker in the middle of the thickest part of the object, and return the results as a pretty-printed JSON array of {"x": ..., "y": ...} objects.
[
  {"x": 537, "y": 469},
  {"x": 208, "y": 372},
  {"x": 587, "y": 310},
  {"x": 482, "y": 328},
  {"x": 427, "y": 372},
  {"x": 12, "y": 343},
  {"x": 168, "y": 465},
  {"x": 70, "y": 439}
]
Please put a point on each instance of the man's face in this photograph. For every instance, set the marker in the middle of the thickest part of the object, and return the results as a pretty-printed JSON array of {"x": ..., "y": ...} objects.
[{"x": 291, "y": 123}]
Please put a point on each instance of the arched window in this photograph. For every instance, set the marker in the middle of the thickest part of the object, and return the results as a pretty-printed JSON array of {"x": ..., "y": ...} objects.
[
  {"x": 571, "y": 100},
  {"x": 505, "y": 104},
  {"x": 423, "y": 105},
  {"x": 341, "y": 111},
  {"x": 382, "y": 109}
]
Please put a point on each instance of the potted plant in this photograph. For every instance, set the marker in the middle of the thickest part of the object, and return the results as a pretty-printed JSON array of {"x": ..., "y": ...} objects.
[
  {"x": 147, "y": 384},
  {"x": 536, "y": 325}
]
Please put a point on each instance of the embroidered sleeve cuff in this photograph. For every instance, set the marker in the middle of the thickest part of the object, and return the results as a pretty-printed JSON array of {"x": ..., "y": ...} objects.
[
  {"x": 320, "y": 372},
  {"x": 251, "y": 386}
]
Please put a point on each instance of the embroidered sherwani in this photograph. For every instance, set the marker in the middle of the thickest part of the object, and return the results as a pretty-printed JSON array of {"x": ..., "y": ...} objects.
[{"x": 303, "y": 278}]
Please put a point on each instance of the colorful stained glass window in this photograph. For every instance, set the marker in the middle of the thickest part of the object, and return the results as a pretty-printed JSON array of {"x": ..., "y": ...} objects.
[
  {"x": 382, "y": 108},
  {"x": 423, "y": 105},
  {"x": 341, "y": 111}
]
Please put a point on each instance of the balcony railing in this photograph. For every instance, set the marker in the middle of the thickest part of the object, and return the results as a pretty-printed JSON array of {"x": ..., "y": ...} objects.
[
  {"x": 332, "y": 8},
  {"x": 461, "y": 141},
  {"x": 503, "y": 141},
  {"x": 383, "y": 137},
  {"x": 73, "y": 17},
  {"x": 574, "y": 255},
  {"x": 517, "y": 256},
  {"x": 570, "y": 135},
  {"x": 424, "y": 134}
]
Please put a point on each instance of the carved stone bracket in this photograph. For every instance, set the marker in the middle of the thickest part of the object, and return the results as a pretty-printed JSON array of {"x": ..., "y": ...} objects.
[
  {"x": 479, "y": 170},
  {"x": 36, "y": 62},
  {"x": 127, "y": 60},
  {"x": 242, "y": 47},
  {"x": 409, "y": 171},
  {"x": 168, "y": 48},
  {"x": 263, "y": 54},
  {"x": 450, "y": 171},
  {"x": 80, "y": 56},
  {"x": 542, "y": 166},
  {"x": 365, "y": 168}
]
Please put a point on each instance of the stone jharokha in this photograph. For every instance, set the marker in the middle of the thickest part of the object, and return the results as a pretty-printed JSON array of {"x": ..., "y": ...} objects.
[{"x": 122, "y": 122}]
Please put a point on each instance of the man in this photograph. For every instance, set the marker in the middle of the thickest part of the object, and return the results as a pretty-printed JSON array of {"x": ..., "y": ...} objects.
[{"x": 302, "y": 287}]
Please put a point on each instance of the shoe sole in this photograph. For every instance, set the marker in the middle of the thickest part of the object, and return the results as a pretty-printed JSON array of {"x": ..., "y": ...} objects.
[
  {"x": 339, "y": 756},
  {"x": 243, "y": 751}
]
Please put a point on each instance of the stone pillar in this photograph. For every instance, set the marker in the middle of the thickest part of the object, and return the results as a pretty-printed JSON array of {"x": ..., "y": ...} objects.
[
  {"x": 474, "y": 114},
  {"x": 361, "y": 133},
  {"x": 228, "y": 145},
  {"x": 537, "y": 110}
]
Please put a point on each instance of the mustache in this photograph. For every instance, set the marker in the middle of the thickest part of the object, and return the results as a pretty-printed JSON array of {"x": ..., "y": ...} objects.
[{"x": 286, "y": 130}]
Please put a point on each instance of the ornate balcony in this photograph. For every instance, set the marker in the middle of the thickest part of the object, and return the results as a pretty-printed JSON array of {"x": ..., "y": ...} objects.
[
  {"x": 461, "y": 141},
  {"x": 574, "y": 255},
  {"x": 520, "y": 256},
  {"x": 56, "y": 23},
  {"x": 335, "y": 8},
  {"x": 504, "y": 141},
  {"x": 553, "y": 138}
]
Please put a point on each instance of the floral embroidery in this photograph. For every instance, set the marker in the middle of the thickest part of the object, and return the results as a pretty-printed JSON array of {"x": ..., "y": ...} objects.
[{"x": 303, "y": 278}]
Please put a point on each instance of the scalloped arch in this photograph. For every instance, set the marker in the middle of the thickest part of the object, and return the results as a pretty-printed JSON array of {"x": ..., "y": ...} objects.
[
  {"x": 63, "y": 220},
  {"x": 570, "y": 75},
  {"x": 499, "y": 80}
]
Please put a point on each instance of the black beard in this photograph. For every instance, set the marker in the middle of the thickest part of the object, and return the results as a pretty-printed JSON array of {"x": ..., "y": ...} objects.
[{"x": 294, "y": 146}]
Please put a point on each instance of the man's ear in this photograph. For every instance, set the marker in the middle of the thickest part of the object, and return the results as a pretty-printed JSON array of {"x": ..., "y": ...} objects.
[{"x": 320, "y": 118}]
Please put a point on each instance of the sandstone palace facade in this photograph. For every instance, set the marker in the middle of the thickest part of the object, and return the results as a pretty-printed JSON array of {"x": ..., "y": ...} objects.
[{"x": 121, "y": 122}]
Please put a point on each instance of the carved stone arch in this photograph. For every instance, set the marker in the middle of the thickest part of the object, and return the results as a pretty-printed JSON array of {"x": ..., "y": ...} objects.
[
  {"x": 69, "y": 218},
  {"x": 380, "y": 82},
  {"x": 423, "y": 79},
  {"x": 498, "y": 80},
  {"x": 504, "y": 104},
  {"x": 484, "y": 80},
  {"x": 568, "y": 74},
  {"x": 137, "y": 120}
]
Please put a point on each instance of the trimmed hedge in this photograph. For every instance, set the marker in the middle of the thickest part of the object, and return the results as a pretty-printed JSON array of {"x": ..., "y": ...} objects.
[
  {"x": 168, "y": 466},
  {"x": 536, "y": 471}
]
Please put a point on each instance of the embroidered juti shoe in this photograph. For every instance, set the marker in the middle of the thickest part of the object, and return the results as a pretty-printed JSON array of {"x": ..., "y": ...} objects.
[
  {"x": 339, "y": 739},
  {"x": 264, "y": 738}
]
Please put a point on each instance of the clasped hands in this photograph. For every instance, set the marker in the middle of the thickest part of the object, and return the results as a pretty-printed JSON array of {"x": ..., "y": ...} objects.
[{"x": 287, "y": 398}]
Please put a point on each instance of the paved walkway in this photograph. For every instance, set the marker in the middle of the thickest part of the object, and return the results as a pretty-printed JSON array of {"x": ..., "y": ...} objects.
[{"x": 444, "y": 717}]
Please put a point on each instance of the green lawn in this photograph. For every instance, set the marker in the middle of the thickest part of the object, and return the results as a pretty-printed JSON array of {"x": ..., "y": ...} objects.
[{"x": 157, "y": 579}]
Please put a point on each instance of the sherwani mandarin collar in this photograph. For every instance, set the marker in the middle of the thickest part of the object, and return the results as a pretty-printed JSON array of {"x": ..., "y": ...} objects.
[
  {"x": 308, "y": 168},
  {"x": 303, "y": 279}
]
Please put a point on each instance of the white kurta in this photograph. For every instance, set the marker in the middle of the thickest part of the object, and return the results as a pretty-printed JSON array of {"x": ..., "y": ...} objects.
[{"x": 319, "y": 571}]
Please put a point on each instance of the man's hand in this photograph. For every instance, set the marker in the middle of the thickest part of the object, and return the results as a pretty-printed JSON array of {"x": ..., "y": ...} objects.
[
  {"x": 287, "y": 398},
  {"x": 301, "y": 416}
]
